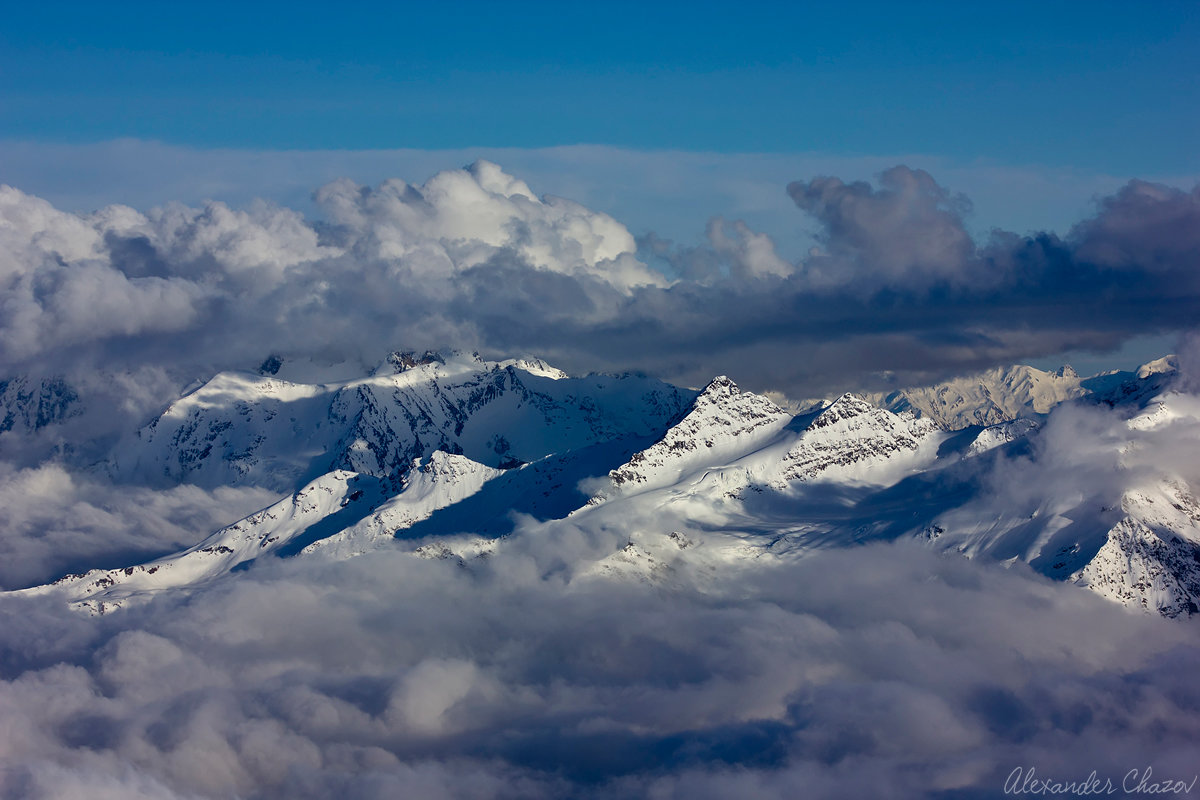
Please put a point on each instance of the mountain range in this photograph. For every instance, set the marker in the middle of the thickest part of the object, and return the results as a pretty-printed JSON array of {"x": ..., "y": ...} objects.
[{"x": 449, "y": 456}]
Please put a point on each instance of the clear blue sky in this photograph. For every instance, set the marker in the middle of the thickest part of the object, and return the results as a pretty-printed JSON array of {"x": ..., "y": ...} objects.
[{"x": 1099, "y": 86}]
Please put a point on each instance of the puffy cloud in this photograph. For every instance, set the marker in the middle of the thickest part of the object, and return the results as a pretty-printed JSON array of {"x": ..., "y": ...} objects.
[
  {"x": 392, "y": 265},
  {"x": 468, "y": 216},
  {"x": 909, "y": 233},
  {"x": 31, "y": 229},
  {"x": 219, "y": 243},
  {"x": 750, "y": 254}
]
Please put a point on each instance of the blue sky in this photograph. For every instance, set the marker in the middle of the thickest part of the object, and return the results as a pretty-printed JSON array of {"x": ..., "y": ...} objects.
[{"x": 1101, "y": 86}]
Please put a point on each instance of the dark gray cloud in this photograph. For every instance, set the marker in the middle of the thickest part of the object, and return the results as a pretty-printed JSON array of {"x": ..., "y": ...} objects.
[{"x": 1144, "y": 227}]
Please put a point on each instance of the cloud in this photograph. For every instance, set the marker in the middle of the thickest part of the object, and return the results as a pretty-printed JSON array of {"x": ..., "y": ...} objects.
[
  {"x": 884, "y": 666},
  {"x": 908, "y": 233},
  {"x": 669, "y": 192},
  {"x": 460, "y": 219},
  {"x": 54, "y": 521},
  {"x": 1144, "y": 227},
  {"x": 474, "y": 259}
]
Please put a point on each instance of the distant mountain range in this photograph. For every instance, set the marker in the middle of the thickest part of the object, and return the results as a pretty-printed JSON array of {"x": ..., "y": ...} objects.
[{"x": 449, "y": 455}]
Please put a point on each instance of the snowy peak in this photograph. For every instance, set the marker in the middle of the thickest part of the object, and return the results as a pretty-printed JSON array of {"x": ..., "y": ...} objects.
[
  {"x": 720, "y": 386},
  {"x": 846, "y": 407},
  {"x": 246, "y": 428},
  {"x": 735, "y": 444},
  {"x": 723, "y": 402},
  {"x": 1159, "y": 366},
  {"x": 997, "y": 435},
  {"x": 724, "y": 422},
  {"x": 495, "y": 414},
  {"x": 989, "y": 398},
  {"x": 441, "y": 481},
  {"x": 850, "y": 438},
  {"x": 238, "y": 428},
  {"x": 403, "y": 360},
  {"x": 535, "y": 366}
]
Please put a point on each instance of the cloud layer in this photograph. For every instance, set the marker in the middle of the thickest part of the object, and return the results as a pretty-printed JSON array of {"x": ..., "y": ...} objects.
[
  {"x": 884, "y": 670},
  {"x": 475, "y": 259}
]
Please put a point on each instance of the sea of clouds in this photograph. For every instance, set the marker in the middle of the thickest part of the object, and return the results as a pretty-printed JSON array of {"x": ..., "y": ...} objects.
[{"x": 884, "y": 671}]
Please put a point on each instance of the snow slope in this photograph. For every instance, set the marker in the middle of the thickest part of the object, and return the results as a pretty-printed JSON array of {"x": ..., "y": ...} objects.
[
  {"x": 1129, "y": 529},
  {"x": 333, "y": 501}
]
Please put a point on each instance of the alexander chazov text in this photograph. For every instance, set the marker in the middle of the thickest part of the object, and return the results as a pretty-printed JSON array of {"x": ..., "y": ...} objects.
[{"x": 1025, "y": 780}]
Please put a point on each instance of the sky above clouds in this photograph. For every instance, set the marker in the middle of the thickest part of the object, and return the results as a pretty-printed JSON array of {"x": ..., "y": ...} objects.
[{"x": 1112, "y": 89}]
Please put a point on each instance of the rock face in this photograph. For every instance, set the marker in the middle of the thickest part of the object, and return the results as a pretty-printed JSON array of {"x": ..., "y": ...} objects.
[
  {"x": 436, "y": 455},
  {"x": 27, "y": 405}
]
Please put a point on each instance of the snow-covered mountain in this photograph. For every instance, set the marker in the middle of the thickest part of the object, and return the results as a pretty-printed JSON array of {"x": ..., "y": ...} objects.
[
  {"x": 1151, "y": 557},
  {"x": 1127, "y": 526},
  {"x": 1001, "y": 395},
  {"x": 261, "y": 429},
  {"x": 446, "y": 456}
]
